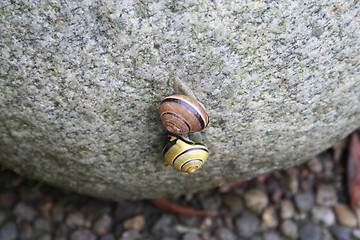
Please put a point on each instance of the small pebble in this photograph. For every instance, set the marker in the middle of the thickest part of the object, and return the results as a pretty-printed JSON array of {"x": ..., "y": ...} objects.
[
  {"x": 304, "y": 201},
  {"x": 82, "y": 234},
  {"x": 185, "y": 229},
  {"x": 345, "y": 216},
  {"x": 310, "y": 231},
  {"x": 287, "y": 209},
  {"x": 289, "y": 229},
  {"x": 326, "y": 195},
  {"x": 256, "y": 200},
  {"x": 341, "y": 232},
  {"x": 326, "y": 234},
  {"x": 269, "y": 217},
  {"x": 42, "y": 225},
  {"x": 130, "y": 235},
  {"x": 304, "y": 173},
  {"x": 324, "y": 215},
  {"x": 102, "y": 225},
  {"x": 75, "y": 219},
  {"x": 247, "y": 224},
  {"x": 136, "y": 223},
  {"x": 8, "y": 231},
  {"x": 225, "y": 234},
  {"x": 293, "y": 183},
  {"x": 163, "y": 224},
  {"x": 315, "y": 165},
  {"x": 191, "y": 236},
  {"x": 24, "y": 212},
  {"x": 271, "y": 236},
  {"x": 356, "y": 234}
]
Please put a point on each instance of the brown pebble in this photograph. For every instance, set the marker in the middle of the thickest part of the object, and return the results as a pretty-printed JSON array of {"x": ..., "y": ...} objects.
[
  {"x": 269, "y": 217},
  {"x": 135, "y": 223},
  {"x": 293, "y": 184},
  {"x": 256, "y": 200},
  {"x": 345, "y": 215},
  {"x": 287, "y": 209}
]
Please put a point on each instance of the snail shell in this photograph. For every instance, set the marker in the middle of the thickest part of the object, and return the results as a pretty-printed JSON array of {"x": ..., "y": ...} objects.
[
  {"x": 184, "y": 155},
  {"x": 181, "y": 114}
]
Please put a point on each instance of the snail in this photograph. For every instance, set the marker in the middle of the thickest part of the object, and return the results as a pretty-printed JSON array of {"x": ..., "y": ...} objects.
[
  {"x": 183, "y": 154},
  {"x": 181, "y": 114}
]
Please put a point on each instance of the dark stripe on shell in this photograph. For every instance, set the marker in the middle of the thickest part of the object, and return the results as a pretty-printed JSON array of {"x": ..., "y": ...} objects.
[
  {"x": 179, "y": 117},
  {"x": 168, "y": 146},
  {"x": 189, "y": 107},
  {"x": 188, "y": 150},
  {"x": 191, "y": 160},
  {"x": 184, "y": 139}
]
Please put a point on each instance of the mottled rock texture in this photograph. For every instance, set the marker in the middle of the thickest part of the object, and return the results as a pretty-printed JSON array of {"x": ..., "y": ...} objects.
[{"x": 81, "y": 81}]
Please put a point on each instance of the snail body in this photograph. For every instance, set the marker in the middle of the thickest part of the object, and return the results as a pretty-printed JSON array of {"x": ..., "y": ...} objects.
[
  {"x": 184, "y": 155},
  {"x": 182, "y": 114}
]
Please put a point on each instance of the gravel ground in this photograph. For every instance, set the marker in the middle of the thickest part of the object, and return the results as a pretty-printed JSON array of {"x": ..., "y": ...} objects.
[{"x": 307, "y": 202}]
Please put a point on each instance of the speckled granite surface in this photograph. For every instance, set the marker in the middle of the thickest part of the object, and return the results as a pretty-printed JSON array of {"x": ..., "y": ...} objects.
[{"x": 80, "y": 83}]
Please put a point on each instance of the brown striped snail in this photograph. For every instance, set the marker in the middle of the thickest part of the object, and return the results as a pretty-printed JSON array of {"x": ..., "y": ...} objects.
[
  {"x": 184, "y": 155},
  {"x": 181, "y": 114}
]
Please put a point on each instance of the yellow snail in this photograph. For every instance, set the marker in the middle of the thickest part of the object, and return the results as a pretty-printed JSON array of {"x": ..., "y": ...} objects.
[
  {"x": 181, "y": 114},
  {"x": 184, "y": 155}
]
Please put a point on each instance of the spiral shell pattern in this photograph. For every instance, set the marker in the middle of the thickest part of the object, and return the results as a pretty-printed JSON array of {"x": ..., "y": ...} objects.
[
  {"x": 181, "y": 114},
  {"x": 184, "y": 155}
]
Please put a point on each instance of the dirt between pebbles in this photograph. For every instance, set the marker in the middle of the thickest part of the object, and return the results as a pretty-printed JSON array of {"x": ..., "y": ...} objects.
[{"x": 308, "y": 202}]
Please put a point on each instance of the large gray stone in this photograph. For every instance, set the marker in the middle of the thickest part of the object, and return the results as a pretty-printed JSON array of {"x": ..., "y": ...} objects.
[{"x": 81, "y": 81}]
